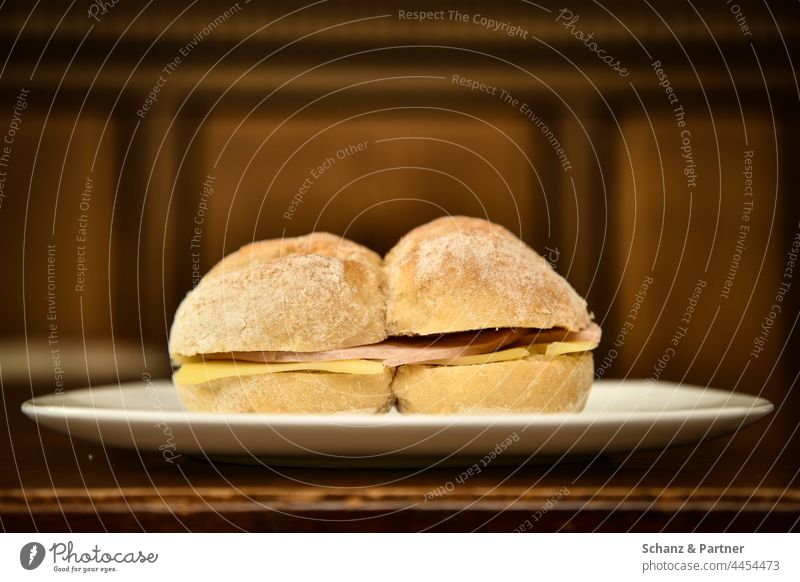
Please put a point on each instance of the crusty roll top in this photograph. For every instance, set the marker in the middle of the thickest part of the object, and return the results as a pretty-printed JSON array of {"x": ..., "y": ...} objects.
[
  {"x": 323, "y": 292},
  {"x": 310, "y": 293},
  {"x": 459, "y": 273}
]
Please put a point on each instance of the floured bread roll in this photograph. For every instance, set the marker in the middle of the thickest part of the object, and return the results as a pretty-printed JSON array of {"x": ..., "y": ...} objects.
[
  {"x": 457, "y": 274},
  {"x": 305, "y": 294}
]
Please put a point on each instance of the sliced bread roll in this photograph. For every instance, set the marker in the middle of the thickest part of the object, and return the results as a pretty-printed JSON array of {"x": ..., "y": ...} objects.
[
  {"x": 304, "y": 294},
  {"x": 459, "y": 273}
]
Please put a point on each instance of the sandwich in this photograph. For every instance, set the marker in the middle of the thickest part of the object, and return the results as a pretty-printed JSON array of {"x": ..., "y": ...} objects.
[
  {"x": 237, "y": 334},
  {"x": 460, "y": 317},
  {"x": 496, "y": 328}
]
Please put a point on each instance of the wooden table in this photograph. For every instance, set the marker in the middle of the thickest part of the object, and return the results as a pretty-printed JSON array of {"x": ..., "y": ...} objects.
[{"x": 746, "y": 482}]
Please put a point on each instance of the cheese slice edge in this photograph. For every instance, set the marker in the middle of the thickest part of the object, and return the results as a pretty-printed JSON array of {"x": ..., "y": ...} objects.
[
  {"x": 552, "y": 349},
  {"x": 200, "y": 372},
  {"x": 560, "y": 348},
  {"x": 498, "y": 356}
]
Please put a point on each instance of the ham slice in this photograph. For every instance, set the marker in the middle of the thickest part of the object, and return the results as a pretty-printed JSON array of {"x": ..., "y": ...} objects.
[
  {"x": 400, "y": 351},
  {"x": 396, "y": 351}
]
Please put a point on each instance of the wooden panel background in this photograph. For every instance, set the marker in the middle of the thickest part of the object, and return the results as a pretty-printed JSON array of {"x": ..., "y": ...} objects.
[
  {"x": 436, "y": 164},
  {"x": 687, "y": 239}
]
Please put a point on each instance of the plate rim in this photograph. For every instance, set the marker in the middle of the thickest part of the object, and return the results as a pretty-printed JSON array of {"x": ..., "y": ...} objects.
[{"x": 758, "y": 408}]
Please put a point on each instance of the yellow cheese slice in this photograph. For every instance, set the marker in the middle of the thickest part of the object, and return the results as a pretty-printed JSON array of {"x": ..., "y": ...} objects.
[
  {"x": 200, "y": 372},
  {"x": 551, "y": 349},
  {"x": 501, "y": 356},
  {"x": 559, "y": 348}
]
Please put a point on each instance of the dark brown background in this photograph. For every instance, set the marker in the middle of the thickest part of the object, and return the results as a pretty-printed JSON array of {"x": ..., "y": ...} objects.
[{"x": 259, "y": 105}]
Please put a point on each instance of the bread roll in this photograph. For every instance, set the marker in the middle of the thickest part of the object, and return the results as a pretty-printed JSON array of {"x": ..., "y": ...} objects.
[
  {"x": 315, "y": 292},
  {"x": 459, "y": 273},
  {"x": 536, "y": 384},
  {"x": 292, "y": 392},
  {"x": 310, "y": 293}
]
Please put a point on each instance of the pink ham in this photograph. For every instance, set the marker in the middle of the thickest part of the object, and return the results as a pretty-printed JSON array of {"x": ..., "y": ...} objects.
[
  {"x": 400, "y": 351},
  {"x": 396, "y": 351}
]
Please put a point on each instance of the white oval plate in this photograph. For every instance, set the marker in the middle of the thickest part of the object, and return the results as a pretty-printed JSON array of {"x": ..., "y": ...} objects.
[{"x": 620, "y": 416}]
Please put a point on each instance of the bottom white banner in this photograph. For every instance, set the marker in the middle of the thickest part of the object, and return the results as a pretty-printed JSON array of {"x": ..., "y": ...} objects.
[{"x": 404, "y": 557}]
